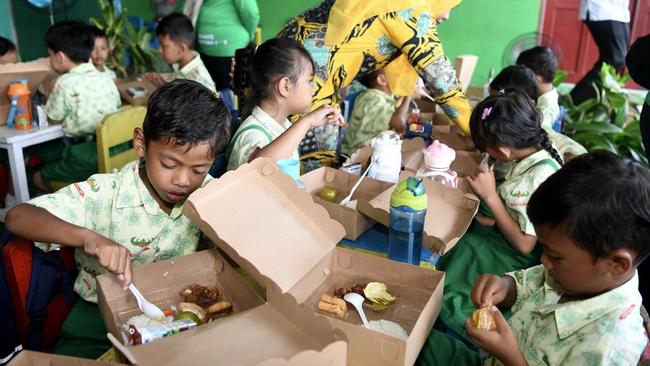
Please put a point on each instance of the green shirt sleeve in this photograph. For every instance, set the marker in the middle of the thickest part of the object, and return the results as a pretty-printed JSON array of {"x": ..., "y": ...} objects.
[
  {"x": 249, "y": 14},
  {"x": 527, "y": 281},
  {"x": 55, "y": 106}
]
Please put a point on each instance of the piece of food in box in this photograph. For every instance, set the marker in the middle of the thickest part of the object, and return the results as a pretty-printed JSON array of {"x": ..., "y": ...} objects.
[
  {"x": 328, "y": 194},
  {"x": 333, "y": 306},
  {"x": 375, "y": 292},
  {"x": 140, "y": 334}
]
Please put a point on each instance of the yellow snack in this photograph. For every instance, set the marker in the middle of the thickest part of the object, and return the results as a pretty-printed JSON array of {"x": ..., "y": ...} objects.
[
  {"x": 482, "y": 319},
  {"x": 192, "y": 308},
  {"x": 328, "y": 194},
  {"x": 377, "y": 294}
]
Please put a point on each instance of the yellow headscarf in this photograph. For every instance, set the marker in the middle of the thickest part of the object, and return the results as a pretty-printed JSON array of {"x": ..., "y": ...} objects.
[{"x": 345, "y": 14}]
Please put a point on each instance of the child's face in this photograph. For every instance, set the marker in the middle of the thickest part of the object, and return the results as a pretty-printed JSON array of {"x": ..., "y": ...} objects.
[
  {"x": 302, "y": 90},
  {"x": 174, "y": 171},
  {"x": 170, "y": 50},
  {"x": 10, "y": 57},
  {"x": 100, "y": 52},
  {"x": 574, "y": 268}
]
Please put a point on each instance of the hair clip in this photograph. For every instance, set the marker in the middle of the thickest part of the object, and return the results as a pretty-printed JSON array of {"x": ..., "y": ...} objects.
[
  {"x": 501, "y": 92},
  {"x": 486, "y": 113}
]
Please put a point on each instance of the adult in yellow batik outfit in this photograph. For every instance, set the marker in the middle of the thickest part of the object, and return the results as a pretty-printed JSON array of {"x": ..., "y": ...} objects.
[{"x": 349, "y": 39}]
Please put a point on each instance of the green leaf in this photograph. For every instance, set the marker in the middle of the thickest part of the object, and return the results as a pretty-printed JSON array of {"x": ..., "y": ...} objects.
[
  {"x": 559, "y": 77},
  {"x": 595, "y": 127}
]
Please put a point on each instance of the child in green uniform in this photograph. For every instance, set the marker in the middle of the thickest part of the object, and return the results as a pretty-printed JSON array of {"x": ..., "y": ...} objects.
[
  {"x": 176, "y": 36},
  {"x": 581, "y": 306},
  {"x": 280, "y": 72},
  {"x": 508, "y": 127},
  {"x": 130, "y": 217},
  {"x": 80, "y": 99},
  {"x": 101, "y": 51}
]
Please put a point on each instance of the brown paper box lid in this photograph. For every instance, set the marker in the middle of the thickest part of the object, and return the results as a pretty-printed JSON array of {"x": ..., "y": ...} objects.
[
  {"x": 259, "y": 198},
  {"x": 32, "y": 358}
]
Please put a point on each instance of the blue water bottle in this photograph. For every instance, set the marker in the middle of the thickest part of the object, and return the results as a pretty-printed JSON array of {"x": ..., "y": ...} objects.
[{"x": 408, "y": 206}]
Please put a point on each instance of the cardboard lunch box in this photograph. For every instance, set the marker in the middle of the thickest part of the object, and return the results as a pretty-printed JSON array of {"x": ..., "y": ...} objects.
[
  {"x": 124, "y": 86},
  {"x": 33, "y": 71},
  {"x": 449, "y": 213},
  {"x": 465, "y": 164},
  {"x": 453, "y": 137},
  {"x": 353, "y": 221},
  {"x": 31, "y": 358},
  {"x": 411, "y": 148},
  {"x": 276, "y": 232},
  {"x": 231, "y": 340}
]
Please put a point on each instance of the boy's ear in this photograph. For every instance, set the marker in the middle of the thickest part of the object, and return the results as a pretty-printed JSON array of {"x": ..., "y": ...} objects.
[
  {"x": 381, "y": 80},
  {"x": 284, "y": 86},
  {"x": 138, "y": 142},
  {"x": 621, "y": 261}
]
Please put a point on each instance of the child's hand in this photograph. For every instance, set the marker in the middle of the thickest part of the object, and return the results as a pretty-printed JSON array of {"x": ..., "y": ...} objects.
[
  {"x": 110, "y": 255},
  {"x": 323, "y": 115},
  {"x": 501, "y": 343},
  {"x": 155, "y": 78},
  {"x": 484, "y": 184},
  {"x": 489, "y": 290}
]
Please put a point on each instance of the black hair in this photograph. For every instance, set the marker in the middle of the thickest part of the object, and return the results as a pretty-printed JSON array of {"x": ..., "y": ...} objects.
[
  {"x": 601, "y": 201},
  {"x": 509, "y": 119},
  {"x": 370, "y": 80},
  {"x": 178, "y": 27},
  {"x": 6, "y": 46},
  {"x": 187, "y": 113},
  {"x": 261, "y": 67},
  {"x": 541, "y": 60},
  {"x": 97, "y": 33},
  {"x": 73, "y": 38},
  {"x": 517, "y": 76}
]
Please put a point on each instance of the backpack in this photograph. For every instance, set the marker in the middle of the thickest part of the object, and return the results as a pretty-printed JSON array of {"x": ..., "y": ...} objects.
[{"x": 36, "y": 289}]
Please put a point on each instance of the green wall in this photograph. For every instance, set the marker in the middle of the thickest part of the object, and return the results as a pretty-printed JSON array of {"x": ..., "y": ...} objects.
[
  {"x": 6, "y": 22},
  {"x": 274, "y": 14},
  {"x": 484, "y": 28}
]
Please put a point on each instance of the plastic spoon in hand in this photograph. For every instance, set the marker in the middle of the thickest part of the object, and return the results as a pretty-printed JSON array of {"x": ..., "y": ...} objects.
[
  {"x": 354, "y": 188},
  {"x": 149, "y": 309},
  {"x": 357, "y": 301}
]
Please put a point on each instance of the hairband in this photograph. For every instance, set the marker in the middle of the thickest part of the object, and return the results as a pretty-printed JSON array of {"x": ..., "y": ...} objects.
[{"x": 486, "y": 113}]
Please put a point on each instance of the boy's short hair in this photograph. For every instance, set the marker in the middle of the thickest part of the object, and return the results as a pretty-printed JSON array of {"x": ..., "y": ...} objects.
[
  {"x": 370, "y": 80},
  {"x": 187, "y": 113},
  {"x": 97, "y": 32},
  {"x": 6, "y": 46},
  {"x": 519, "y": 77},
  {"x": 178, "y": 27},
  {"x": 601, "y": 201},
  {"x": 73, "y": 38},
  {"x": 541, "y": 60}
]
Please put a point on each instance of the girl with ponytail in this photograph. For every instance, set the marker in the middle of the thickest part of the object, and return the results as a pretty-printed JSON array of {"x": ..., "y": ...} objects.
[{"x": 508, "y": 127}]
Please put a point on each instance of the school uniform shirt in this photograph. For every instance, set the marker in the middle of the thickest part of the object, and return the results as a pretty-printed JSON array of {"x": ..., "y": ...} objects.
[
  {"x": 108, "y": 73},
  {"x": 194, "y": 70},
  {"x": 81, "y": 98},
  {"x": 371, "y": 114},
  {"x": 598, "y": 10},
  {"x": 547, "y": 103},
  {"x": 521, "y": 181},
  {"x": 119, "y": 207},
  {"x": 245, "y": 143},
  {"x": 603, "y": 330}
]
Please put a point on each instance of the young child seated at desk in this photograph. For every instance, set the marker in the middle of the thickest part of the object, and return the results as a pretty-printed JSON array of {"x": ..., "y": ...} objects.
[
  {"x": 101, "y": 51},
  {"x": 8, "y": 52},
  {"x": 581, "y": 306},
  {"x": 176, "y": 36},
  {"x": 184, "y": 127},
  {"x": 375, "y": 110},
  {"x": 80, "y": 100}
]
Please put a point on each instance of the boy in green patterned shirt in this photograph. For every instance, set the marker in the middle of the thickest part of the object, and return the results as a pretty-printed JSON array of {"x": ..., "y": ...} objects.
[
  {"x": 80, "y": 99},
  {"x": 582, "y": 305},
  {"x": 133, "y": 216},
  {"x": 176, "y": 36}
]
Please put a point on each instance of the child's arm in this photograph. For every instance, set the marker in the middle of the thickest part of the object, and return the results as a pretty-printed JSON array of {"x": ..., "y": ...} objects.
[
  {"x": 484, "y": 186},
  {"x": 155, "y": 78},
  {"x": 37, "y": 224},
  {"x": 500, "y": 343},
  {"x": 288, "y": 142},
  {"x": 398, "y": 119}
]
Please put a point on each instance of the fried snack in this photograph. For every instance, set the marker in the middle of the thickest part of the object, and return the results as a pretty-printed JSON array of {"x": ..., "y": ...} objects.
[
  {"x": 377, "y": 294},
  {"x": 192, "y": 308},
  {"x": 342, "y": 291},
  {"x": 220, "y": 308},
  {"x": 333, "y": 305},
  {"x": 482, "y": 319},
  {"x": 200, "y": 295}
]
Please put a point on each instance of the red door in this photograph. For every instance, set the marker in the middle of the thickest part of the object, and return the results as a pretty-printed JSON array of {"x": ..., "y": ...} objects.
[{"x": 560, "y": 21}]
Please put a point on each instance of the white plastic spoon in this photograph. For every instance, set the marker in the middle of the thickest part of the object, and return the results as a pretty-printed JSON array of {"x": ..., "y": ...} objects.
[
  {"x": 357, "y": 301},
  {"x": 149, "y": 309},
  {"x": 356, "y": 185}
]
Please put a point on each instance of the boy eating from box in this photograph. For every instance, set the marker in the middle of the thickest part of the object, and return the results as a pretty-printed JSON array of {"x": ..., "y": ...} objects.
[
  {"x": 176, "y": 36},
  {"x": 581, "y": 306},
  {"x": 130, "y": 217},
  {"x": 80, "y": 100}
]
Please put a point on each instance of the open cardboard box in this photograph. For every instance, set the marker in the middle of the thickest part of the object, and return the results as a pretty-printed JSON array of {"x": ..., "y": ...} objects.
[
  {"x": 234, "y": 339},
  {"x": 355, "y": 223},
  {"x": 449, "y": 213},
  {"x": 123, "y": 87},
  {"x": 277, "y": 233},
  {"x": 33, "y": 71},
  {"x": 453, "y": 137},
  {"x": 411, "y": 149},
  {"x": 31, "y": 358},
  {"x": 465, "y": 164}
]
